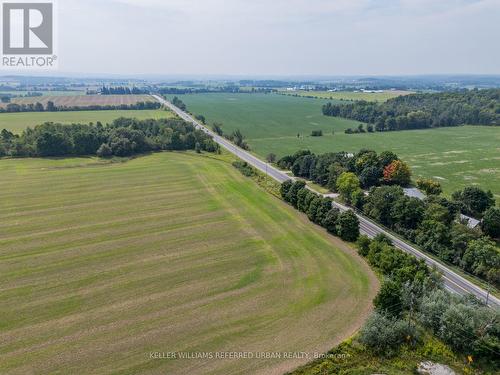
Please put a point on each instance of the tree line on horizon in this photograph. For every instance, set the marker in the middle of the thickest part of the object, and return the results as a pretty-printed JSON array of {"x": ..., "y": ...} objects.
[
  {"x": 122, "y": 90},
  {"x": 51, "y": 107},
  {"x": 123, "y": 137},
  {"x": 231, "y": 89},
  {"x": 422, "y": 111}
]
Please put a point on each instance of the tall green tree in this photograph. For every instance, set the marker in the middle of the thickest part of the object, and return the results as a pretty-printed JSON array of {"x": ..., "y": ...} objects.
[
  {"x": 348, "y": 226},
  {"x": 491, "y": 222},
  {"x": 53, "y": 144},
  {"x": 389, "y": 298},
  {"x": 330, "y": 220},
  {"x": 474, "y": 201},
  {"x": 313, "y": 209},
  {"x": 347, "y": 184},
  {"x": 285, "y": 188},
  {"x": 398, "y": 172}
]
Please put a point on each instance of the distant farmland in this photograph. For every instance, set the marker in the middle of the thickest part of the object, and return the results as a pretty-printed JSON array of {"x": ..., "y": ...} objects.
[
  {"x": 456, "y": 157},
  {"x": 103, "y": 263},
  {"x": 83, "y": 100},
  {"x": 349, "y": 95},
  {"x": 44, "y": 92},
  {"x": 17, "y": 122}
]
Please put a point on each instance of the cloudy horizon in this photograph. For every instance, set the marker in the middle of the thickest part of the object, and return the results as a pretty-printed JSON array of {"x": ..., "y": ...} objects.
[{"x": 282, "y": 38}]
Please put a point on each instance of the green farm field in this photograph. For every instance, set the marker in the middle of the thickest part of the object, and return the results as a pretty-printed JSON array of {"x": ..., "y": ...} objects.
[
  {"x": 454, "y": 156},
  {"x": 349, "y": 95},
  {"x": 104, "y": 262},
  {"x": 17, "y": 122}
]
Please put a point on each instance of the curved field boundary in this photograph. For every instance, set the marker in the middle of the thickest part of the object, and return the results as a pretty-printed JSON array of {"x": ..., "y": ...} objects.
[{"x": 103, "y": 263}]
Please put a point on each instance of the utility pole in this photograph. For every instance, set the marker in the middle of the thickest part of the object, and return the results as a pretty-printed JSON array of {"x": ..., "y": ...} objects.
[{"x": 412, "y": 301}]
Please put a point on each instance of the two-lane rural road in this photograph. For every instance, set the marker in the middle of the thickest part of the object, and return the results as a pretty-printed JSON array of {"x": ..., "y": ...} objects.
[{"x": 452, "y": 280}]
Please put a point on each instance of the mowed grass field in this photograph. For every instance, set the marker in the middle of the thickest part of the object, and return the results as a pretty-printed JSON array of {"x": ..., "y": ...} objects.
[
  {"x": 17, "y": 122},
  {"x": 262, "y": 116},
  {"x": 349, "y": 95},
  {"x": 82, "y": 100},
  {"x": 102, "y": 263},
  {"x": 455, "y": 156}
]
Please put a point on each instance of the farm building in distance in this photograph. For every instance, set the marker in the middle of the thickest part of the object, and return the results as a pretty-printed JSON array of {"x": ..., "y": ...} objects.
[
  {"x": 414, "y": 193},
  {"x": 467, "y": 220}
]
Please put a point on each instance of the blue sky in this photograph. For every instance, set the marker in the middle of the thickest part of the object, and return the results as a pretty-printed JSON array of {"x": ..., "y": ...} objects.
[{"x": 280, "y": 37}]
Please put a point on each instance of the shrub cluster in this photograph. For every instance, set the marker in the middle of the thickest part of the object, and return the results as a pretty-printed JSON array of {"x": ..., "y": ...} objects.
[
  {"x": 245, "y": 168},
  {"x": 412, "y": 297},
  {"x": 360, "y": 129},
  {"x": 429, "y": 187},
  {"x": 238, "y": 139},
  {"x": 236, "y": 136},
  {"x": 179, "y": 103}
]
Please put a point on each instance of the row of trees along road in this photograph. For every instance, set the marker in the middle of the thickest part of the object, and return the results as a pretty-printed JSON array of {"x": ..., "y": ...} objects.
[
  {"x": 433, "y": 223},
  {"x": 51, "y": 107},
  {"x": 412, "y": 301},
  {"x": 320, "y": 211}
]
